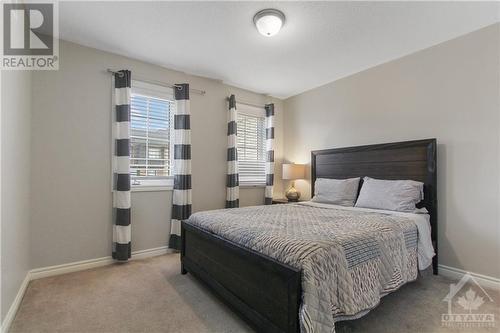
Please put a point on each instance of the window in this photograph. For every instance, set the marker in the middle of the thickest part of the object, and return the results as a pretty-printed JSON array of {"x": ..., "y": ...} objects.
[
  {"x": 251, "y": 146},
  {"x": 151, "y": 111}
]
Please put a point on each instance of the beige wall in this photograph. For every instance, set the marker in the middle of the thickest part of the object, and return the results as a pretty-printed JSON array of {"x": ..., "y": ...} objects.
[
  {"x": 450, "y": 92},
  {"x": 71, "y": 157},
  {"x": 15, "y": 184}
]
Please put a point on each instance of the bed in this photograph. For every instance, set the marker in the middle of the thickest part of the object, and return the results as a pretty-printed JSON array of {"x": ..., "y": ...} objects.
[{"x": 266, "y": 262}]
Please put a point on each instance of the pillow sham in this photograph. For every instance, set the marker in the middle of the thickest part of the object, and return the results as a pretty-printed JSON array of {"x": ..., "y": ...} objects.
[
  {"x": 396, "y": 195},
  {"x": 341, "y": 192}
]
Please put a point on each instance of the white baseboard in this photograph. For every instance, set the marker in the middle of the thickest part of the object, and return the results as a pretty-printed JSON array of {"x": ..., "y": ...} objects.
[
  {"x": 9, "y": 317},
  {"x": 456, "y": 274},
  {"x": 157, "y": 251},
  {"x": 42, "y": 272}
]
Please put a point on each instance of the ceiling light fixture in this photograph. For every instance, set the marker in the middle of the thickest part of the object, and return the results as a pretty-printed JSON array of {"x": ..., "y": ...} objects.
[{"x": 269, "y": 21}]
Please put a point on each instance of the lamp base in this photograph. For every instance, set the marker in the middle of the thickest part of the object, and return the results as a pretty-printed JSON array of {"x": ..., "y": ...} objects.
[{"x": 292, "y": 194}]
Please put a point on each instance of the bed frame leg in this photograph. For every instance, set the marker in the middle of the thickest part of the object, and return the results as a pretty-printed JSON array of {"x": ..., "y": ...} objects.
[
  {"x": 435, "y": 262},
  {"x": 183, "y": 248}
]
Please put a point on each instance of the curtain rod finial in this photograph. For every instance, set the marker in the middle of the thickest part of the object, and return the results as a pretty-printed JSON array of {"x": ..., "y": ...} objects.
[{"x": 120, "y": 74}]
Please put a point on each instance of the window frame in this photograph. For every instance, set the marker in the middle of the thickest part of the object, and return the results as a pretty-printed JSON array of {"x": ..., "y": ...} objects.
[
  {"x": 153, "y": 183},
  {"x": 252, "y": 111}
]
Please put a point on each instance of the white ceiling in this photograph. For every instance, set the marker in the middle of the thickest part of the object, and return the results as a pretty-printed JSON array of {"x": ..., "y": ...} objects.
[{"x": 320, "y": 42}]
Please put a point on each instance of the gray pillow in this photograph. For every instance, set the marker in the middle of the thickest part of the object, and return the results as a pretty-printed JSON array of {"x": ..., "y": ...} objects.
[
  {"x": 396, "y": 195},
  {"x": 341, "y": 192}
]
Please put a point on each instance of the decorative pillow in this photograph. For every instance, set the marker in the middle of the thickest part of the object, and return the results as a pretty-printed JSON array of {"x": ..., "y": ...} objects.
[
  {"x": 341, "y": 192},
  {"x": 396, "y": 195}
]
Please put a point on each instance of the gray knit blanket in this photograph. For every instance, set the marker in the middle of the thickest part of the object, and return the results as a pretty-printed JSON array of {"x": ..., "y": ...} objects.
[{"x": 349, "y": 259}]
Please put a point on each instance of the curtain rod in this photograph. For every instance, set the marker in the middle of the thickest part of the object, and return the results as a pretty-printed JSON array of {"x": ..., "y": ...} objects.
[
  {"x": 262, "y": 106},
  {"x": 168, "y": 85}
]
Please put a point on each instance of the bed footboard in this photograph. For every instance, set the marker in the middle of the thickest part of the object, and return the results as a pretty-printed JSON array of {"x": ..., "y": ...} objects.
[{"x": 263, "y": 291}]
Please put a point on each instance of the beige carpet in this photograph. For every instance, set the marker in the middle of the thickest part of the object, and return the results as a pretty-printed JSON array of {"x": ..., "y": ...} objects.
[{"x": 151, "y": 296}]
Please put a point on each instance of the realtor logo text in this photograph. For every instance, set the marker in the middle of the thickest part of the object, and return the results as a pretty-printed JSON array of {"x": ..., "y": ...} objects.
[{"x": 30, "y": 36}]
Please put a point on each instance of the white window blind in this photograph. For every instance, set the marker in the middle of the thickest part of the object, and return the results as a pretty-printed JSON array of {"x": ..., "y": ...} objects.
[
  {"x": 251, "y": 149},
  {"x": 150, "y": 136}
]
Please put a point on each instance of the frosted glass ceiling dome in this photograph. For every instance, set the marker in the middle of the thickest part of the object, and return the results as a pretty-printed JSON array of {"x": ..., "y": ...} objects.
[{"x": 269, "y": 21}]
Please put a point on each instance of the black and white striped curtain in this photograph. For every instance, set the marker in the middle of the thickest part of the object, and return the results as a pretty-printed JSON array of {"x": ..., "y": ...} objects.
[
  {"x": 232, "y": 181},
  {"x": 121, "y": 167},
  {"x": 269, "y": 153},
  {"x": 181, "y": 201}
]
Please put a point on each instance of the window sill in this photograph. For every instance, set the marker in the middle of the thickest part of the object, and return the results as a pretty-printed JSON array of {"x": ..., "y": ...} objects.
[
  {"x": 252, "y": 185},
  {"x": 142, "y": 188},
  {"x": 149, "y": 185}
]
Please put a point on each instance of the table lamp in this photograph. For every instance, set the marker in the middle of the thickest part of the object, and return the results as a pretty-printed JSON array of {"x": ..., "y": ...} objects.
[{"x": 292, "y": 172}]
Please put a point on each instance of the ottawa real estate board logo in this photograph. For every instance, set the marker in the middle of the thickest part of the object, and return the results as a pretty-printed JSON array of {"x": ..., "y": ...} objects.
[
  {"x": 466, "y": 300},
  {"x": 30, "y": 36}
]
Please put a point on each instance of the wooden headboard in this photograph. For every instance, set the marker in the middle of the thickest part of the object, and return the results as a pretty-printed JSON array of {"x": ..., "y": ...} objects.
[{"x": 414, "y": 160}]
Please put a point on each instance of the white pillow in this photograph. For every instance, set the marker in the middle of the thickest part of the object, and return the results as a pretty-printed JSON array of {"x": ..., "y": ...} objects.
[
  {"x": 341, "y": 192},
  {"x": 396, "y": 195}
]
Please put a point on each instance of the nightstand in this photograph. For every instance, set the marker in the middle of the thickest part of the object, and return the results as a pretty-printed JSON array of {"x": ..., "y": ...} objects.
[{"x": 282, "y": 201}]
